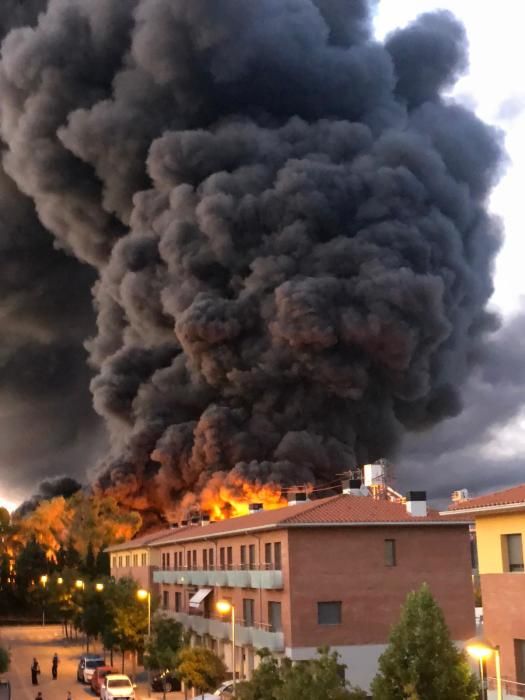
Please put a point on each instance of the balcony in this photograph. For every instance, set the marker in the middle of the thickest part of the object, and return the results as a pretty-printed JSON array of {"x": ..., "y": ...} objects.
[
  {"x": 235, "y": 578},
  {"x": 257, "y": 637}
]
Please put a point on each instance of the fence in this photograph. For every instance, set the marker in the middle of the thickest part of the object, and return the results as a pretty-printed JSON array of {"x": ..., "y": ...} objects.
[{"x": 511, "y": 689}]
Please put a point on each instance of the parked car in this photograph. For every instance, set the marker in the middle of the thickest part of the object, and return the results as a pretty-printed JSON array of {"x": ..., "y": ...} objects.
[
  {"x": 98, "y": 678},
  {"x": 225, "y": 690},
  {"x": 87, "y": 665},
  {"x": 165, "y": 678},
  {"x": 115, "y": 686}
]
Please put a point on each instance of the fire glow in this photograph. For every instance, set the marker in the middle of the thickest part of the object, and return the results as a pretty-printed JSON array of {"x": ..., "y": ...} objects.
[{"x": 231, "y": 500}]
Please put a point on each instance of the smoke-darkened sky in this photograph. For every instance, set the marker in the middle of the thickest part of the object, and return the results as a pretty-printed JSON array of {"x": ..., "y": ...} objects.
[{"x": 241, "y": 237}]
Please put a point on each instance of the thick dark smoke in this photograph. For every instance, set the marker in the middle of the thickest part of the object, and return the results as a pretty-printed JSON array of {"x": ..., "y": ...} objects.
[
  {"x": 287, "y": 220},
  {"x": 49, "y": 488}
]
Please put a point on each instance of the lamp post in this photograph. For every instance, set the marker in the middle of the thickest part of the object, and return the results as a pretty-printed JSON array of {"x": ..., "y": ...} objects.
[
  {"x": 43, "y": 581},
  {"x": 482, "y": 650},
  {"x": 143, "y": 594},
  {"x": 224, "y": 607}
]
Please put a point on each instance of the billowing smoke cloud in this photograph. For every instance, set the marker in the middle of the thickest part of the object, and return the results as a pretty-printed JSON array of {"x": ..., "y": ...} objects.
[
  {"x": 286, "y": 219},
  {"x": 49, "y": 488}
]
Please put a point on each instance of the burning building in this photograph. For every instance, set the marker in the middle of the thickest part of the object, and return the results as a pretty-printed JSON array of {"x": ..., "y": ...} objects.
[{"x": 286, "y": 220}]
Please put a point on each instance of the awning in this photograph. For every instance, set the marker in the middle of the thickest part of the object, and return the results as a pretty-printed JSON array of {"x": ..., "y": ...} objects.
[{"x": 197, "y": 598}]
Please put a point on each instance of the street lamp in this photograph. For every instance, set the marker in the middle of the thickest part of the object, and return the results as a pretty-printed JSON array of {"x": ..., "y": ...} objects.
[
  {"x": 99, "y": 587},
  {"x": 224, "y": 607},
  {"x": 80, "y": 584},
  {"x": 482, "y": 650},
  {"x": 43, "y": 581},
  {"x": 143, "y": 594},
  {"x": 60, "y": 580}
]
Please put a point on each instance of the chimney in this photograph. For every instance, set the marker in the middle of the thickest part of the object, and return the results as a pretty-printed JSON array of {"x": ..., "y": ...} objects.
[
  {"x": 195, "y": 519},
  {"x": 416, "y": 503},
  {"x": 352, "y": 487},
  {"x": 254, "y": 507},
  {"x": 458, "y": 496},
  {"x": 205, "y": 519},
  {"x": 296, "y": 497}
]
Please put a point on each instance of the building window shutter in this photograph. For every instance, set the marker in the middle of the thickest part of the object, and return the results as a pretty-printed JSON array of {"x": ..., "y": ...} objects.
[
  {"x": 390, "y": 552},
  {"x": 329, "y": 613}
]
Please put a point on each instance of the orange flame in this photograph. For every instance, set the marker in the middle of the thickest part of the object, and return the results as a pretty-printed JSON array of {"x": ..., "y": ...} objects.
[{"x": 232, "y": 498}]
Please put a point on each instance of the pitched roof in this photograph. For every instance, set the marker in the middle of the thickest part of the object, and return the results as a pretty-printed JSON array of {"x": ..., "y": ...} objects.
[
  {"x": 342, "y": 510},
  {"x": 137, "y": 542},
  {"x": 513, "y": 498}
]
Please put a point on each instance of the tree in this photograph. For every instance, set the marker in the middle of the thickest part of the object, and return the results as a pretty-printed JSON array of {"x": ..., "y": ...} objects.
[
  {"x": 126, "y": 621},
  {"x": 322, "y": 677},
  {"x": 201, "y": 669},
  {"x": 421, "y": 661},
  {"x": 31, "y": 563},
  {"x": 5, "y": 660},
  {"x": 89, "y": 562},
  {"x": 102, "y": 566},
  {"x": 163, "y": 648}
]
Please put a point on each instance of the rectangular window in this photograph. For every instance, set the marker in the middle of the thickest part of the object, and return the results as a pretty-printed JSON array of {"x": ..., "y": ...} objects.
[
  {"x": 181, "y": 560},
  {"x": 229, "y": 553},
  {"x": 163, "y": 559},
  {"x": 268, "y": 555},
  {"x": 194, "y": 558},
  {"x": 243, "y": 556},
  {"x": 274, "y": 616},
  {"x": 165, "y": 600},
  {"x": 113, "y": 562},
  {"x": 188, "y": 560},
  {"x": 390, "y": 552},
  {"x": 512, "y": 553},
  {"x": 329, "y": 613},
  {"x": 519, "y": 655},
  {"x": 277, "y": 562},
  {"x": 222, "y": 560},
  {"x": 205, "y": 559},
  {"x": 212, "y": 558},
  {"x": 251, "y": 556},
  {"x": 144, "y": 559},
  {"x": 248, "y": 610},
  {"x": 127, "y": 559},
  {"x": 168, "y": 562},
  {"x": 178, "y": 601},
  {"x": 135, "y": 560},
  {"x": 120, "y": 562}
]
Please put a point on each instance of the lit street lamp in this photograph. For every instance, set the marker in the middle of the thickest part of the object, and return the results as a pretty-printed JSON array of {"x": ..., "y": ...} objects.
[
  {"x": 143, "y": 594},
  {"x": 43, "y": 581},
  {"x": 99, "y": 587},
  {"x": 482, "y": 650},
  {"x": 80, "y": 584},
  {"x": 224, "y": 607}
]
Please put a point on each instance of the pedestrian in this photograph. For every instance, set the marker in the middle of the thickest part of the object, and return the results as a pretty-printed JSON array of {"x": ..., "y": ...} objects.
[
  {"x": 69, "y": 697},
  {"x": 54, "y": 667},
  {"x": 35, "y": 671},
  {"x": 39, "y": 696}
]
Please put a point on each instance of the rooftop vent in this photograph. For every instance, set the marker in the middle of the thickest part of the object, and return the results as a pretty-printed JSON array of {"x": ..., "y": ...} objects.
[
  {"x": 254, "y": 507},
  {"x": 460, "y": 495},
  {"x": 183, "y": 523},
  {"x": 205, "y": 519},
  {"x": 296, "y": 497},
  {"x": 416, "y": 503},
  {"x": 195, "y": 519},
  {"x": 352, "y": 487}
]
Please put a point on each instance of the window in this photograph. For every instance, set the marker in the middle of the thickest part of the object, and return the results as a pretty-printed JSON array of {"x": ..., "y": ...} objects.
[
  {"x": 512, "y": 553},
  {"x": 329, "y": 613},
  {"x": 181, "y": 560},
  {"x": 188, "y": 560},
  {"x": 519, "y": 656},
  {"x": 135, "y": 560},
  {"x": 194, "y": 558},
  {"x": 274, "y": 616},
  {"x": 113, "y": 562},
  {"x": 277, "y": 563},
  {"x": 120, "y": 562},
  {"x": 251, "y": 555},
  {"x": 144, "y": 559},
  {"x": 229, "y": 553},
  {"x": 212, "y": 558},
  {"x": 165, "y": 600},
  {"x": 243, "y": 556},
  {"x": 178, "y": 601},
  {"x": 248, "y": 608},
  {"x": 163, "y": 558},
  {"x": 168, "y": 562},
  {"x": 127, "y": 559},
  {"x": 390, "y": 552},
  {"x": 268, "y": 555},
  {"x": 221, "y": 558},
  {"x": 204, "y": 559}
]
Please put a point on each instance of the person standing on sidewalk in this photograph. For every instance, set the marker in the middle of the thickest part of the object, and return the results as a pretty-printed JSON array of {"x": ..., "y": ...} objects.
[
  {"x": 35, "y": 671},
  {"x": 54, "y": 667}
]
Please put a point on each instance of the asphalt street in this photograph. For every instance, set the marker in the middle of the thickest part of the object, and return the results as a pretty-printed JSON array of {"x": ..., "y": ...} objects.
[{"x": 42, "y": 642}]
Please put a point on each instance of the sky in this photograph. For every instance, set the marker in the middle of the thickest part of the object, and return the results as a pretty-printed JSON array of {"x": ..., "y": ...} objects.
[
  {"x": 476, "y": 449},
  {"x": 483, "y": 448}
]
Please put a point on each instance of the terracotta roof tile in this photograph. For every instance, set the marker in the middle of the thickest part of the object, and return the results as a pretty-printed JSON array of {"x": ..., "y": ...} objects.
[
  {"x": 142, "y": 540},
  {"x": 511, "y": 496}
]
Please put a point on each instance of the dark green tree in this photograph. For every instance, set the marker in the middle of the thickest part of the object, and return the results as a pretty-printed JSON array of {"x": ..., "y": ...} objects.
[
  {"x": 200, "y": 668},
  {"x": 89, "y": 562},
  {"x": 5, "y": 659},
  {"x": 163, "y": 648},
  {"x": 72, "y": 557},
  {"x": 265, "y": 682},
  {"x": 31, "y": 564},
  {"x": 421, "y": 661},
  {"x": 126, "y": 618},
  {"x": 102, "y": 566}
]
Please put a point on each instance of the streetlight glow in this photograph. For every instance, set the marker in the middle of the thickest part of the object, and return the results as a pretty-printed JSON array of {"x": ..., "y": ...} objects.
[
  {"x": 60, "y": 580},
  {"x": 79, "y": 583},
  {"x": 43, "y": 579},
  {"x": 224, "y": 607},
  {"x": 142, "y": 594},
  {"x": 480, "y": 651},
  {"x": 99, "y": 587}
]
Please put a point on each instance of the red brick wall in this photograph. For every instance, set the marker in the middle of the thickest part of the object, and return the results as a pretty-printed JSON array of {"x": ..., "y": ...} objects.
[
  {"x": 504, "y": 616},
  {"x": 348, "y": 565}
]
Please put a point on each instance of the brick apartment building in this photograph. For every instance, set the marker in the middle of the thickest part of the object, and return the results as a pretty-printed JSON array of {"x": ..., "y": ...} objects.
[
  {"x": 331, "y": 572},
  {"x": 500, "y": 534}
]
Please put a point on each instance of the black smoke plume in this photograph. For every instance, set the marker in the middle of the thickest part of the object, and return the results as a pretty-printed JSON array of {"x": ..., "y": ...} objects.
[{"x": 287, "y": 221}]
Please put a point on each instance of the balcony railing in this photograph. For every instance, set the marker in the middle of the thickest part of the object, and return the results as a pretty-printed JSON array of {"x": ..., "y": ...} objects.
[
  {"x": 511, "y": 689},
  {"x": 234, "y": 578},
  {"x": 258, "y": 635}
]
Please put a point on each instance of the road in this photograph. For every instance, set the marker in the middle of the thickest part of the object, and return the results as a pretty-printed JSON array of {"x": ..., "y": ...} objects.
[{"x": 42, "y": 642}]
